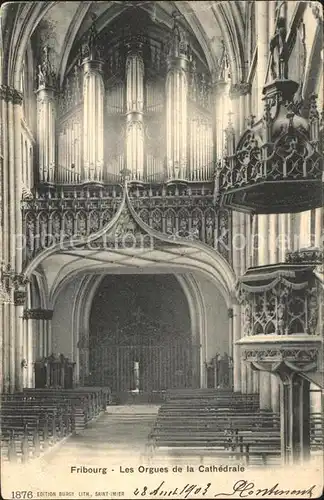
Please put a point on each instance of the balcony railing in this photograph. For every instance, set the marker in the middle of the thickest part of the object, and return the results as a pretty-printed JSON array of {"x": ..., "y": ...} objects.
[
  {"x": 278, "y": 161},
  {"x": 281, "y": 299}
]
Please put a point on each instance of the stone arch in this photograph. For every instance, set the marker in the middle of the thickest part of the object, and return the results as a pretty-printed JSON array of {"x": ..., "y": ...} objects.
[
  {"x": 84, "y": 291},
  {"x": 19, "y": 33},
  {"x": 40, "y": 295}
]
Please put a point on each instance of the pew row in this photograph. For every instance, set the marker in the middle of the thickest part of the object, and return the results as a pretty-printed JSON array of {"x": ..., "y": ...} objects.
[{"x": 36, "y": 419}]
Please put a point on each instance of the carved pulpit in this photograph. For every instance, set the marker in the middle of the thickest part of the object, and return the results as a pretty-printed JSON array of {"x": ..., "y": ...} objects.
[{"x": 54, "y": 372}]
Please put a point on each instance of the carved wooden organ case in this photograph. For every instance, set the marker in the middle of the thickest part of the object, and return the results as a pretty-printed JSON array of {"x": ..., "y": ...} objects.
[
  {"x": 134, "y": 104},
  {"x": 139, "y": 104}
]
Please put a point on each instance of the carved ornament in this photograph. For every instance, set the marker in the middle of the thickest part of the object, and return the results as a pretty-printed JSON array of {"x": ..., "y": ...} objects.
[
  {"x": 38, "y": 314},
  {"x": 10, "y": 94},
  {"x": 240, "y": 89}
]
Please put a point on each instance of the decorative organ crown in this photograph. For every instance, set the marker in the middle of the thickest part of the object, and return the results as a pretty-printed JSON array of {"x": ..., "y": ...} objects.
[{"x": 178, "y": 43}]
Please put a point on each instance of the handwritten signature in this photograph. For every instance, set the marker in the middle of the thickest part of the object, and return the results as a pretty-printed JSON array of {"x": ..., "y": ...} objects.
[{"x": 240, "y": 489}]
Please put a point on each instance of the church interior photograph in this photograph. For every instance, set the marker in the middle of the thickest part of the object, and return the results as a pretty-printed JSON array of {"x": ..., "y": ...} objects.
[{"x": 161, "y": 251}]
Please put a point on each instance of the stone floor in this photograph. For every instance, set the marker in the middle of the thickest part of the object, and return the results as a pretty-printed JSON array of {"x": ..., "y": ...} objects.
[
  {"x": 114, "y": 454},
  {"x": 122, "y": 431}
]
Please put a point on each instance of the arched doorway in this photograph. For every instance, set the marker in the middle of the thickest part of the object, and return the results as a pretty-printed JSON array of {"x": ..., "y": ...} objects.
[{"x": 140, "y": 335}]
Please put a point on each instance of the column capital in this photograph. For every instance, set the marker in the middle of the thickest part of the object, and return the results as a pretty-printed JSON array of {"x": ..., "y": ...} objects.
[
  {"x": 13, "y": 286},
  {"x": 39, "y": 314},
  {"x": 218, "y": 86},
  {"x": 240, "y": 89},
  {"x": 177, "y": 63},
  {"x": 92, "y": 65},
  {"x": 45, "y": 93},
  {"x": 8, "y": 93},
  {"x": 316, "y": 10}
]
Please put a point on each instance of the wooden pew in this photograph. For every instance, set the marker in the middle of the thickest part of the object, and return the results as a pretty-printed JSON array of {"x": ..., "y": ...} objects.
[{"x": 36, "y": 418}]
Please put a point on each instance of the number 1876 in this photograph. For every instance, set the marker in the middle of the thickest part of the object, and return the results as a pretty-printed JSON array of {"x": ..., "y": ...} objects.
[{"x": 21, "y": 494}]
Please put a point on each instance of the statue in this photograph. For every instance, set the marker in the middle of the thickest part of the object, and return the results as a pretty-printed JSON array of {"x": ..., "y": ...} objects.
[
  {"x": 278, "y": 51},
  {"x": 209, "y": 230},
  {"x": 90, "y": 48},
  {"x": 46, "y": 73},
  {"x": 41, "y": 77},
  {"x": 92, "y": 38}
]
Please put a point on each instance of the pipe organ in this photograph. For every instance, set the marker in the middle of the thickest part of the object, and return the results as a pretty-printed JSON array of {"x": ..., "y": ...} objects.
[
  {"x": 142, "y": 108},
  {"x": 69, "y": 150},
  {"x": 134, "y": 110},
  {"x": 93, "y": 120},
  {"x": 46, "y": 134},
  {"x": 201, "y": 149}
]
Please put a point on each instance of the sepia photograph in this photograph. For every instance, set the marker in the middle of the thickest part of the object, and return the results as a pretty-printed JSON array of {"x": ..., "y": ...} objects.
[{"x": 161, "y": 249}]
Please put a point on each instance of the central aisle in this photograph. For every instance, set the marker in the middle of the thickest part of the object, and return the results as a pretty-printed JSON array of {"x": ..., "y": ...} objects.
[{"x": 122, "y": 431}]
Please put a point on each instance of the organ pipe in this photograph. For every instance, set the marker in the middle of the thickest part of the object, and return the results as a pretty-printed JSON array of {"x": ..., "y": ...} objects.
[
  {"x": 176, "y": 104},
  {"x": 93, "y": 120},
  {"x": 176, "y": 118},
  {"x": 134, "y": 110},
  {"x": 200, "y": 149},
  {"x": 46, "y": 116}
]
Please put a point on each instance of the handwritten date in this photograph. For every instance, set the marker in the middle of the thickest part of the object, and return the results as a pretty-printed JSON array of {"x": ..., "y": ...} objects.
[
  {"x": 185, "y": 492},
  {"x": 240, "y": 489}
]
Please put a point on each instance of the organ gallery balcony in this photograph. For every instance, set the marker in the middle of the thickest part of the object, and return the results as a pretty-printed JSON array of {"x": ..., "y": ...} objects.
[{"x": 283, "y": 313}]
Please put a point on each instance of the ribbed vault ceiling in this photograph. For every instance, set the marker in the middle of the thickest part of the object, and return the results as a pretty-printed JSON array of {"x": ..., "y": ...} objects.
[{"x": 62, "y": 24}]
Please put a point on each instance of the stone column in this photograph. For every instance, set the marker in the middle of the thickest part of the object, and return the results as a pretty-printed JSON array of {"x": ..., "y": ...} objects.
[
  {"x": 282, "y": 237},
  {"x": 315, "y": 399},
  {"x": 248, "y": 241},
  {"x": 236, "y": 227},
  {"x": 255, "y": 380},
  {"x": 249, "y": 380},
  {"x": 305, "y": 229},
  {"x": 241, "y": 93},
  {"x": 11, "y": 243},
  {"x": 236, "y": 348},
  {"x": 275, "y": 389},
  {"x": 244, "y": 377},
  {"x": 274, "y": 251},
  {"x": 40, "y": 353},
  {"x": 263, "y": 240},
  {"x": 273, "y": 255},
  {"x": 261, "y": 15},
  {"x": 13, "y": 342},
  {"x": 294, "y": 413},
  {"x": 318, "y": 237},
  {"x": 245, "y": 370},
  {"x": 39, "y": 325},
  {"x": 134, "y": 109},
  {"x": 265, "y": 390},
  {"x": 237, "y": 317},
  {"x": 93, "y": 119},
  {"x": 291, "y": 218},
  {"x": 219, "y": 87},
  {"x": 263, "y": 258},
  {"x": 176, "y": 106},
  {"x": 255, "y": 238},
  {"x": 231, "y": 336}
]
